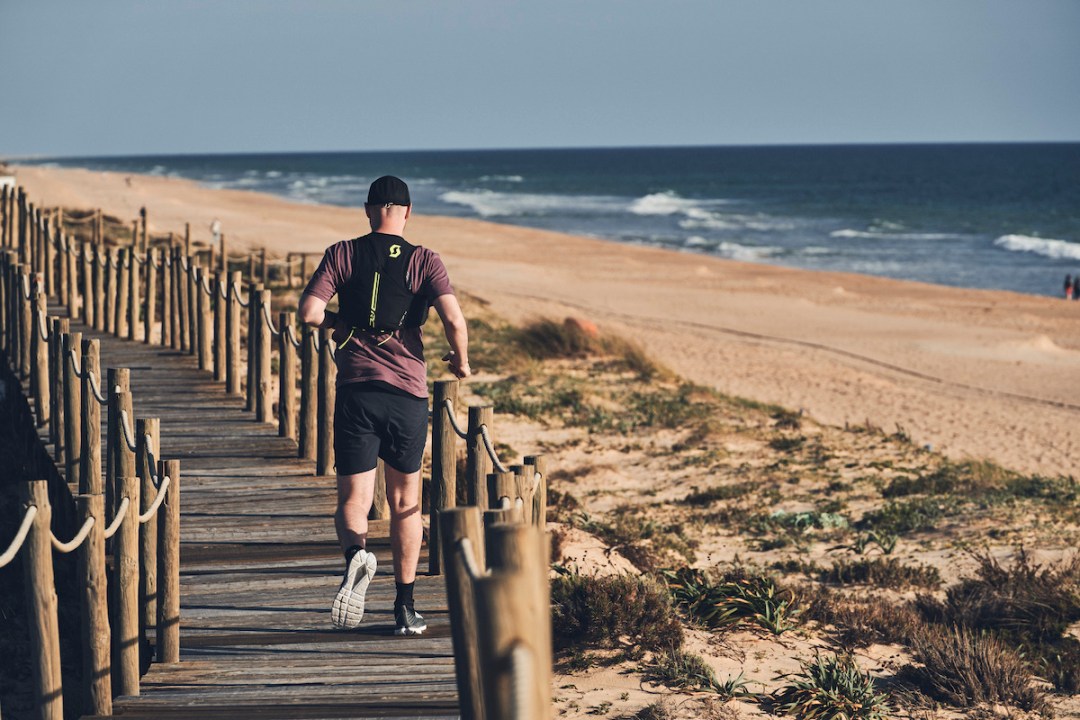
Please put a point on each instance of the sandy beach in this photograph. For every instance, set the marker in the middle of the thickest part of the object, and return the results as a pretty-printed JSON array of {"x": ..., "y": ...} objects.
[{"x": 972, "y": 373}]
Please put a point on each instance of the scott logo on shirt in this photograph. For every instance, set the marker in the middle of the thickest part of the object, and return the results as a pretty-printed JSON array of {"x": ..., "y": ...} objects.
[{"x": 395, "y": 251}]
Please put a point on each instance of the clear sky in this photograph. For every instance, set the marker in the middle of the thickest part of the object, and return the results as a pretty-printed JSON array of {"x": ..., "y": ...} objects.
[{"x": 114, "y": 77}]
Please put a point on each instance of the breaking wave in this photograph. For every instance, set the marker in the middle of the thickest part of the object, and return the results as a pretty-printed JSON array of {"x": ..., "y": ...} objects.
[{"x": 1056, "y": 249}]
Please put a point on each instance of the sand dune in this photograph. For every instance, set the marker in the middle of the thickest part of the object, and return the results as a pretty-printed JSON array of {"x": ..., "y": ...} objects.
[{"x": 972, "y": 373}]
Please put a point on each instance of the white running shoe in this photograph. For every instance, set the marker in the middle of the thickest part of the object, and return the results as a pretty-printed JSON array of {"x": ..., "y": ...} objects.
[{"x": 348, "y": 608}]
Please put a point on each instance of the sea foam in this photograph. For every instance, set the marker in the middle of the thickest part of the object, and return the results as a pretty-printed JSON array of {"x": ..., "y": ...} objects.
[
  {"x": 1056, "y": 249},
  {"x": 489, "y": 203}
]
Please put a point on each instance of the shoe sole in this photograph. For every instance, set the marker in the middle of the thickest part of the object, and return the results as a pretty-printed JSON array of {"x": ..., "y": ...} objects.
[
  {"x": 410, "y": 631},
  {"x": 348, "y": 608}
]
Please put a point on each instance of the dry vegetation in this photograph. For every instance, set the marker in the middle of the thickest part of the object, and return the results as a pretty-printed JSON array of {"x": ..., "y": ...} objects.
[{"x": 741, "y": 559}]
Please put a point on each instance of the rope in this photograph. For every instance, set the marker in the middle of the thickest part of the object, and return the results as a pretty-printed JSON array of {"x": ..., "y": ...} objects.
[
  {"x": 75, "y": 541},
  {"x": 74, "y": 366},
  {"x": 121, "y": 513},
  {"x": 185, "y": 264},
  {"x": 20, "y": 537},
  {"x": 290, "y": 332},
  {"x": 166, "y": 259},
  {"x": 491, "y": 450},
  {"x": 95, "y": 389},
  {"x": 43, "y": 326},
  {"x": 236, "y": 294},
  {"x": 26, "y": 287},
  {"x": 269, "y": 323},
  {"x": 467, "y": 555},
  {"x": 453, "y": 421},
  {"x": 206, "y": 286},
  {"x": 154, "y": 263},
  {"x": 223, "y": 290},
  {"x": 151, "y": 461},
  {"x": 139, "y": 259},
  {"x": 505, "y": 503},
  {"x": 522, "y": 675},
  {"x": 152, "y": 510},
  {"x": 129, "y": 437}
]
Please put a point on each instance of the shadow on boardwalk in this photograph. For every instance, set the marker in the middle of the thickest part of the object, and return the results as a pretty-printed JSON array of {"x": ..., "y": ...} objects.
[{"x": 259, "y": 567}]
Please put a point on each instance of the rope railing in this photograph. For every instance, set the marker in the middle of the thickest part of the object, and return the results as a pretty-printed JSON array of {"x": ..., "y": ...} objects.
[
  {"x": 269, "y": 323},
  {"x": 84, "y": 531},
  {"x": 95, "y": 388},
  {"x": 152, "y": 510},
  {"x": 448, "y": 405},
  {"x": 522, "y": 678},
  {"x": 121, "y": 513},
  {"x": 129, "y": 436},
  {"x": 42, "y": 326},
  {"x": 491, "y": 449},
  {"x": 20, "y": 536},
  {"x": 468, "y": 557},
  {"x": 26, "y": 287},
  {"x": 236, "y": 295},
  {"x": 290, "y": 332}
]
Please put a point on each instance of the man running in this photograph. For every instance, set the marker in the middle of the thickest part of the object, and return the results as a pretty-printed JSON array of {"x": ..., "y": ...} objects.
[{"x": 384, "y": 286}]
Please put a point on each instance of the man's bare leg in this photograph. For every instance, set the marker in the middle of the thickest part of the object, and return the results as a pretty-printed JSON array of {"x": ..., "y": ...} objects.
[
  {"x": 355, "y": 495},
  {"x": 406, "y": 523}
]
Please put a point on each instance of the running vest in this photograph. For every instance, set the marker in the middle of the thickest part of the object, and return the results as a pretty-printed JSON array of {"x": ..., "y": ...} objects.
[{"x": 381, "y": 274}]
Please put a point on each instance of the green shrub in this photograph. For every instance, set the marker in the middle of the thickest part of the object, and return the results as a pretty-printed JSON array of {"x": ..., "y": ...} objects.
[
  {"x": 830, "y": 688},
  {"x": 735, "y": 598},
  {"x": 899, "y": 518},
  {"x": 616, "y": 611}
]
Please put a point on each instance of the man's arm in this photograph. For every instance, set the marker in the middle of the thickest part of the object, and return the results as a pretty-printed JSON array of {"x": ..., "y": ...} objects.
[
  {"x": 457, "y": 334},
  {"x": 313, "y": 312}
]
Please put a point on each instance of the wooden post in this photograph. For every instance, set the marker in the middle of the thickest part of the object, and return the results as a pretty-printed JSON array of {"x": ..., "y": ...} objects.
[
  {"x": 524, "y": 487},
  {"x": 145, "y": 241},
  {"x": 168, "y": 299},
  {"x": 48, "y": 257},
  {"x": 192, "y": 299},
  {"x": 443, "y": 466},
  {"x": 122, "y": 290},
  {"x": 90, "y": 472},
  {"x": 254, "y": 322},
  {"x": 264, "y": 405},
  {"x": 224, "y": 257},
  {"x": 41, "y": 380},
  {"x": 232, "y": 329},
  {"x": 515, "y": 606},
  {"x": 97, "y": 680},
  {"x": 205, "y": 323},
  {"x": 99, "y": 227},
  {"x": 41, "y": 604},
  {"x": 71, "y": 344},
  {"x": 286, "y": 378},
  {"x": 148, "y": 446},
  {"x": 57, "y": 329},
  {"x": 135, "y": 302},
  {"x": 180, "y": 329},
  {"x": 263, "y": 266},
  {"x": 26, "y": 323},
  {"x": 168, "y": 607},
  {"x": 477, "y": 461},
  {"x": 126, "y": 552},
  {"x": 327, "y": 394},
  {"x": 5, "y": 283},
  {"x": 219, "y": 327},
  {"x": 150, "y": 312},
  {"x": 62, "y": 254},
  {"x": 537, "y": 466},
  {"x": 119, "y": 381},
  {"x": 501, "y": 485},
  {"x": 99, "y": 265},
  {"x": 71, "y": 261},
  {"x": 289, "y": 270},
  {"x": 380, "y": 508},
  {"x": 309, "y": 395},
  {"x": 456, "y": 524},
  {"x": 251, "y": 267},
  {"x": 110, "y": 289}
]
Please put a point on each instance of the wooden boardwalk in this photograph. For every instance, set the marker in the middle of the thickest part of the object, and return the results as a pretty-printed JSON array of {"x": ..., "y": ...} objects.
[{"x": 259, "y": 567}]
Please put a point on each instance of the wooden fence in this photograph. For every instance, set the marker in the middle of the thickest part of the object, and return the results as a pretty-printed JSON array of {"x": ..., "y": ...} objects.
[{"x": 163, "y": 294}]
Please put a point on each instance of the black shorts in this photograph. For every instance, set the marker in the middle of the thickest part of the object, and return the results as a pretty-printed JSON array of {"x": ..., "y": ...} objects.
[{"x": 374, "y": 420}]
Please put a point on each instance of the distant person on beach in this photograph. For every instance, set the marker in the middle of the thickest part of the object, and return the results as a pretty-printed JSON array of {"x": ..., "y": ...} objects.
[
  {"x": 1069, "y": 289},
  {"x": 385, "y": 287}
]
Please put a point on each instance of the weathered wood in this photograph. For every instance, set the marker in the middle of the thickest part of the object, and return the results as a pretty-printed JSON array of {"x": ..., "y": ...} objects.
[
  {"x": 40, "y": 377},
  {"x": 232, "y": 329},
  {"x": 182, "y": 339},
  {"x": 513, "y": 605},
  {"x": 224, "y": 257},
  {"x": 191, "y": 297},
  {"x": 263, "y": 267},
  {"x": 254, "y": 323},
  {"x": 26, "y": 321},
  {"x": 99, "y": 264},
  {"x": 287, "y": 377},
  {"x": 112, "y": 259},
  {"x": 456, "y": 524},
  {"x": 477, "y": 461},
  {"x": 327, "y": 394},
  {"x": 150, "y": 301},
  {"x": 71, "y": 261},
  {"x": 48, "y": 259},
  {"x": 57, "y": 329},
  {"x": 309, "y": 396},
  {"x": 123, "y": 292},
  {"x": 135, "y": 301},
  {"x": 539, "y": 496},
  {"x": 148, "y": 446},
  {"x": 443, "y": 466},
  {"x": 168, "y": 302},
  {"x": 90, "y": 472},
  {"x": 219, "y": 327},
  {"x": 126, "y": 597},
  {"x": 71, "y": 345},
  {"x": 205, "y": 323},
  {"x": 41, "y": 605},
  {"x": 168, "y": 607},
  {"x": 93, "y": 587},
  {"x": 264, "y": 404},
  {"x": 119, "y": 380},
  {"x": 380, "y": 507},
  {"x": 501, "y": 485}
]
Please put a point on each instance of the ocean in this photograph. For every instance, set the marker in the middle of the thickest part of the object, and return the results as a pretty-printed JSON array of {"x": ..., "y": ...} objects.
[{"x": 999, "y": 216}]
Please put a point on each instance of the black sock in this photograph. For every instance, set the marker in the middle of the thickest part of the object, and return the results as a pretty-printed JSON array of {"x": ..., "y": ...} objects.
[
  {"x": 404, "y": 594},
  {"x": 350, "y": 552}
]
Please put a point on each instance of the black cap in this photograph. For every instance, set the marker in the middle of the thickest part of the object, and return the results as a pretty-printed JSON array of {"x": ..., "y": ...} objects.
[{"x": 388, "y": 190}]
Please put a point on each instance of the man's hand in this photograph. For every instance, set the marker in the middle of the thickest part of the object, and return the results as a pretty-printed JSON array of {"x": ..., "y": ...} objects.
[{"x": 460, "y": 370}]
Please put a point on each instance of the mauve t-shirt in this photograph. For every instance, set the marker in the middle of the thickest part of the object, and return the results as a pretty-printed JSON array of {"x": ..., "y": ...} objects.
[{"x": 396, "y": 358}]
